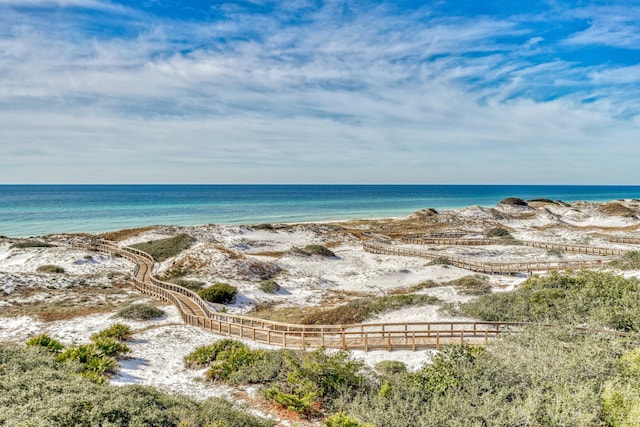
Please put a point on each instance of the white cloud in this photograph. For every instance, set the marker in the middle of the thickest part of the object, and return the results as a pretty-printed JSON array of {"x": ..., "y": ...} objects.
[{"x": 368, "y": 98}]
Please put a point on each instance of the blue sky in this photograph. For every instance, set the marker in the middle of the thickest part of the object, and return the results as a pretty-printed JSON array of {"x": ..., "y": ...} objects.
[{"x": 296, "y": 91}]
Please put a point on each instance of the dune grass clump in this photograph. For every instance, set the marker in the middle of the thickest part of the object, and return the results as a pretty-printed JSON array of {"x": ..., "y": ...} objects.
[
  {"x": 30, "y": 244},
  {"x": 163, "y": 249},
  {"x": 219, "y": 293},
  {"x": 46, "y": 342},
  {"x": 141, "y": 312},
  {"x": 50, "y": 269},
  {"x": 361, "y": 309},
  {"x": 116, "y": 331},
  {"x": 314, "y": 250},
  {"x": 441, "y": 260},
  {"x": 471, "y": 285},
  {"x": 498, "y": 232},
  {"x": 193, "y": 285},
  {"x": 628, "y": 261},
  {"x": 269, "y": 286}
]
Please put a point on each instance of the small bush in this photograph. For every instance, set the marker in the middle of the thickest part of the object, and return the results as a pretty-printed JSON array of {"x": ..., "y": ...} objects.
[
  {"x": 116, "y": 331},
  {"x": 340, "y": 419},
  {"x": 110, "y": 347},
  {"x": 202, "y": 356},
  {"x": 45, "y": 341},
  {"x": 498, "y": 232},
  {"x": 314, "y": 250},
  {"x": 441, "y": 260},
  {"x": 141, "y": 312},
  {"x": 558, "y": 253},
  {"x": 390, "y": 367},
  {"x": 193, "y": 285},
  {"x": 219, "y": 293},
  {"x": 162, "y": 249},
  {"x": 49, "y": 268},
  {"x": 30, "y": 244},
  {"x": 269, "y": 286},
  {"x": 628, "y": 261},
  {"x": 471, "y": 285}
]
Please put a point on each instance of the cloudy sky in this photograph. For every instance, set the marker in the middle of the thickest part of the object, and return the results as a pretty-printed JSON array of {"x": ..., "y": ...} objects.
[{"x": 297, "y": 91}]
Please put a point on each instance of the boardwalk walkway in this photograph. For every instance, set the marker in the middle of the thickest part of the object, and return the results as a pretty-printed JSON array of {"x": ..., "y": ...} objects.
[{"x": 380, "y": 336}]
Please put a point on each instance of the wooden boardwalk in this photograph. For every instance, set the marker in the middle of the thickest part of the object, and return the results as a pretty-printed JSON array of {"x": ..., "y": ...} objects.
[
  {"x": 379, "y": 336},
  {"x": 486, "y": 267}
]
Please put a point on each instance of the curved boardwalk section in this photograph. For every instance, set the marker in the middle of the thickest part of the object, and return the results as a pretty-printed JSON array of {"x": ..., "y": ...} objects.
[{"x": 382, "y": 336}]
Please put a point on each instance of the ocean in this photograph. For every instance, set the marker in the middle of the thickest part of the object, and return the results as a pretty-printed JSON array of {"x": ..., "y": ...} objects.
[{"x": 32, "y": 210}]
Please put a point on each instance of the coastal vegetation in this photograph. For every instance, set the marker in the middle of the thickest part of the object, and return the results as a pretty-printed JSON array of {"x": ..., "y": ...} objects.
[
  {"x": 219, "y": 293},
  {"x": 313, "y": 250},
  {"x": 269, "y": 286},
  {"x": 39, "y": 389},
  {"x": 50, "y": 269},
  {"x": 163, "y": 249},
  {"x": 141, "y": 312},
  {"x": 194, "y": 285},
  {"x": 597, "y": 299}
]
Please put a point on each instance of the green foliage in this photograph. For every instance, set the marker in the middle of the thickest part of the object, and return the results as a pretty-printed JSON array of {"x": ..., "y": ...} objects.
[
  {"x": 38, "y": 391},
  {"x": 498, "y": 232},
  {"x": 163, "y": 249},
  {"x": 269, "y": 286},
  {"x": 441, "y": 260},
  {"x": 30, "y": 244},
  {"x": 45, "y": 341},
  {"x": 141, "y": 312},
  {"x": 390, "y": 367},
  {"x": 193, "y": 285},
  {"x": 621, "y": 396},
  {"x": 220, "y": 293},
  {"x": 537, "y": 377},
  {"x": 314, "y": 250},
  {"x": 293, "y": 402},
  {"x": 49, "y": 268},
  {"x": 628, "y": 261},
  {"x": 594, "y": 298},
  {"x": 116, "y": 331},
  {"x": 358, "y": 310},
  {"x": 202, "y": 356},
  {"x": 471, "y": 285},
  {"x": 340, "y": 419}
]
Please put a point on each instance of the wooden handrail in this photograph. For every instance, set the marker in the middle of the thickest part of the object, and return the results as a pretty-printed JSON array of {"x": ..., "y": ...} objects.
[{"x": 370, "y": 336}]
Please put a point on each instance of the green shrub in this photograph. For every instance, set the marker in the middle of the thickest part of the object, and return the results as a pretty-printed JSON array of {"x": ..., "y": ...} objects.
[
  {"x": 598, "y": 299},
  {"x": 219, "y": 293},
  {"x": 141, "y": 312},
  {"x": 498, "y": 232},
  {"x": 202, "y": 356},
  {"x": 340, "y": 419},
  {"x": 314, "y": 250},
  {"x": 117, "y": 331},
  {"x": 193, "y": 285},
  {"x": 390, "y": 367},
  {"x": 45, "y": 341},
  {"x": 269, "y": 286},
  {"x": 110, "y": 347},
  {"x": 30, "y": 244},
  {"x": 471, "y": 285},
  {"x": 441, "y": 260},
  {"x": 163, "y": 249},
  {"x": 293, "y": 402},
  {"x": 49, "y": 268},
  {"x": 38, "y": 391},
  {"x": 628, "y": 261}
]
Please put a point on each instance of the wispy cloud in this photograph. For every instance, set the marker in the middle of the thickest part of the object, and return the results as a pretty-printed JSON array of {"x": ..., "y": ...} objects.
[{"x": 292, "y": 92}]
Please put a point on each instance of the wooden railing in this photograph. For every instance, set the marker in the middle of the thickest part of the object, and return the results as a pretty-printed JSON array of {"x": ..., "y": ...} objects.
[
  {"x": 578, "y": 249},
  {"x": 627, "y": 240},
  {"x": 374, "y": 336},
  {"x": 506, "y": 267}
]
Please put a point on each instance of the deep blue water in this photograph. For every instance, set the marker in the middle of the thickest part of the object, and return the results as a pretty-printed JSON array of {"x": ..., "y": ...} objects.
[{"x": 29, "y": 210}]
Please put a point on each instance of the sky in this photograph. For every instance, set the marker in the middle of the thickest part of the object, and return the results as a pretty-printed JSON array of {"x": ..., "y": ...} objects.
[{"x": 302, "y": 91}]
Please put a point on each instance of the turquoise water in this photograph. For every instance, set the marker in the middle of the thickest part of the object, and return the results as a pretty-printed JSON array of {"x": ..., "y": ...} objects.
[{"x": 30, "y": 210}]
